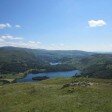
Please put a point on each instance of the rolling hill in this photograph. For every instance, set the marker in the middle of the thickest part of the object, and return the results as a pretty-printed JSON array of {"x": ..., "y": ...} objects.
[{"x": 14, "y": 60}]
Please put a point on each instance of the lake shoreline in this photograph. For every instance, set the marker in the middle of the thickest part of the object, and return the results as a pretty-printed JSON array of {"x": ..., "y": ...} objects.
[
  {"x": 52, "y": 74},
  {"x": 22, "y": 75}
]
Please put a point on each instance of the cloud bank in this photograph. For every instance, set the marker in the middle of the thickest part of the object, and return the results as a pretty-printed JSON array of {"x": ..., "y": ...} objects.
[
  {"x": 10, "y": 37},
  {"x": 10, "y": 40}
]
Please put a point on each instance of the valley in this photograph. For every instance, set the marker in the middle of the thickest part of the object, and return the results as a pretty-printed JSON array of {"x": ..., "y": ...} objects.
[{"x": 48, "y": 81}]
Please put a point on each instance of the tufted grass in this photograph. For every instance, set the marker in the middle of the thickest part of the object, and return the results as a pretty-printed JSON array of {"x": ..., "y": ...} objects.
[{"x": 47, "y": 96}]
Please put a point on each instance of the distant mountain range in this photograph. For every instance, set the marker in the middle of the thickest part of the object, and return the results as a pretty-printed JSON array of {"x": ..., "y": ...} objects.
[{"x": 15, "y": 60}]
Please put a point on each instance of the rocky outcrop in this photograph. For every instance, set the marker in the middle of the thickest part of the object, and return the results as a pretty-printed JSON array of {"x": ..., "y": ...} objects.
[{"x": 77, "y": 84}]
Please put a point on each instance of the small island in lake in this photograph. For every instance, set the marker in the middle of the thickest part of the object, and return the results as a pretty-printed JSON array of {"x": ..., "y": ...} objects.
[{"x": 39, "y": 78}]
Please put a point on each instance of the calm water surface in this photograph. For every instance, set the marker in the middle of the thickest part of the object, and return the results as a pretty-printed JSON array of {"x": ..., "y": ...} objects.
[{"x": 28, "y": 78}]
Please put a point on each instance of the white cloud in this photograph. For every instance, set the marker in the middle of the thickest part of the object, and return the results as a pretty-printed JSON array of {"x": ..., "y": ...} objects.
[
  {"x": 10, "y": 37},
  {"x": 6, "y": 25},
  {"x": 96, "y": 23},
  {"x": 17, "y": 26},
  {"x": 1, "y": 40},
  {"x": 34, "y": 42},
  {"x": 35, "y": 45},
  {"x": 10, "y": 40}
]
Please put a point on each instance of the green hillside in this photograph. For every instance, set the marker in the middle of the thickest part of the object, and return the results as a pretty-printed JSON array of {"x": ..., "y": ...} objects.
[
  {"x": 19, "y": 60},
  {"x": 49, "y": 96},
  {"x": 99, "y": 66},
  {"x": 15, "y": 60}
]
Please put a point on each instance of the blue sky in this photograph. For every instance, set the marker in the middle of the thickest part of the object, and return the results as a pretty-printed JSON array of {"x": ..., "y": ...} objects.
[{"x": 57, "y": 24}]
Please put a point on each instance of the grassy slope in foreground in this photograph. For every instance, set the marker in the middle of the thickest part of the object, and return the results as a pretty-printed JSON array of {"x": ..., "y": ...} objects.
[{"x": 47, "y": 96}]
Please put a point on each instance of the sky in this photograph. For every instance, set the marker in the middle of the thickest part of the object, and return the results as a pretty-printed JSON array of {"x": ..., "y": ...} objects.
[{"x": 57, "y": 24}]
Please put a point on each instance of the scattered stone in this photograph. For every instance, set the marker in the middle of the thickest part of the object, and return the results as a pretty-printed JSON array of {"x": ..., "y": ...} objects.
[
  {"x": 90, "y": 84},
  {"x": 66, "y": 85},
  {"x": 77, "y": 84}
]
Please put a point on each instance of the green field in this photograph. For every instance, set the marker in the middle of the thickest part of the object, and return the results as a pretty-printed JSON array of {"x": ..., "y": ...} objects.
[{"x": 48, "y": 96}]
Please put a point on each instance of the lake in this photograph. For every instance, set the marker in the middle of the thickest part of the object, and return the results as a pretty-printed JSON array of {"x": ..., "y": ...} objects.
[{"x": 28, "y": 78}]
